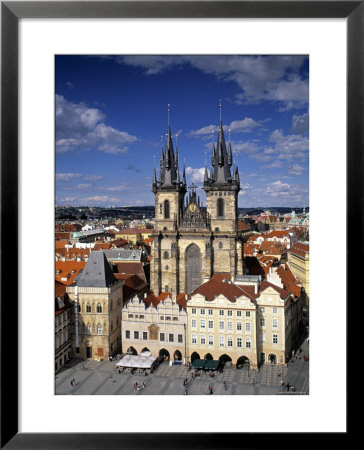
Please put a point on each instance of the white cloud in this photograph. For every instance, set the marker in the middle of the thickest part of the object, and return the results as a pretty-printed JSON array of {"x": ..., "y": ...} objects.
[
  {"x": 300, "y": 124},
  {"x": 296, "y": 169},
  {"x": 67, "y": 176},
  {"x": 81, "y": 127},
  {"x": 259, "y": 78},
  {"x": 196, "y": 175}
]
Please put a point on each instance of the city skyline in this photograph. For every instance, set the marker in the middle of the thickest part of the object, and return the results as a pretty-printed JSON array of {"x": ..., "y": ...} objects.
[{"x": 112, "y": 116}]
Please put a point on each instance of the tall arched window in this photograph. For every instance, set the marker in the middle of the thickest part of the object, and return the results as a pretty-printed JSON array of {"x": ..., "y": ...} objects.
[
  {"x": 88, "y": 308},
  {"x": 99, "y": 329},
  {"x": 165, "y": 255},
  {"x": 99, "y": 308},
  {"x": 166, "y": 209},
  {"x": 220, "y": 207},
  {"x": 88, "y": 328}
]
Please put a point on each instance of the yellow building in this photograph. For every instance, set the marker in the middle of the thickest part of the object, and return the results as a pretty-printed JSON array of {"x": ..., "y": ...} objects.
[
  {"x": 299, "y": 263},
  {"x": 243, "y": 321},
  {"x": 134, "y": 234}
]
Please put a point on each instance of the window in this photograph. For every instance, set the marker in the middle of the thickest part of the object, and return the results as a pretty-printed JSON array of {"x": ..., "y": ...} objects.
[
  {"x": 161, "y": 317},
  {"x": 262, "y": 322},
  {"x": 211, "y": 312},
  {"x": 262, "y": 337},
  {"x": 275, "y": 338},
  {"x": 168, "y": 318},
  {"x": 136, "y": 334},
  {"x": 130, "y": 316},
  {"x": 145, "y": 335},
  {"x": 165, "y": 255},
  {"x": 166, "y": 267},
  {"x": 141, "y": 316},
  {"x": 171, "y": 337},
  {"x": 230, "y": 341},
  {"x": 180, "y": 338},
  {"x": 238, "y": 326},
  {"x": 221, "y": 245},
  {"x": 211, "y": 324},
  {"x": 247, "y": 343},
  {"x": 193, "y": 311},
  {"x": 211, "y": 340},
  {"x": 88, "y": 308},
  {"x": 99, "y": 329},
  {"x": 275, "y": 323},
  {"x": 221, "y": 312},
  {"x": 166, "y": 209},
  {"x": 175, "y": 318},
  {"x": 203, "y": 324},
  {"x": 220, "y": 207},
  {"x": 239, "y": 342},
  {"x": 230, "y": 326},
  {"x": 222, "y": 341},
  {"x": 262, "y": 309},
  {"x": 275, "y": 310},
  {"x": 166, "y": 288},
  {"x": 247, "y": 313},
  {"x": 161, "y": 337},
  {"x": 238, "y": 313},
  {"x": 99, "y": 308},
  {"x": 247, "y": 327},
  {"x": 221, "y": 325},
  {"x": 202, "y": 311},
  {"x": 194, "y": 339},
  {"x": 194, "y": 323},
  {"x": 230, "y": 313},
  {"x": 203, "y": 340}
]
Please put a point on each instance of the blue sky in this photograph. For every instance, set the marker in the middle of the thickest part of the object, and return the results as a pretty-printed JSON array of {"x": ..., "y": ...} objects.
[{"x": 111, "y": 117}]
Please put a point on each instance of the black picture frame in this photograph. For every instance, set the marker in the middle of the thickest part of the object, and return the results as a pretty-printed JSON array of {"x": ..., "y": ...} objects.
[{"x": 11, "y": 12}]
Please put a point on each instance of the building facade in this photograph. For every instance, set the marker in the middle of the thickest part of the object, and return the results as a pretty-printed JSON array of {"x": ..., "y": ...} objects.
[
  {"x": 156, "y": 324},
  {"x": 96, "y": 315},
  {"x": 192, "y": 241},
  {"x": 63, "y": 343},
  {"x": 248, "y": 321}
]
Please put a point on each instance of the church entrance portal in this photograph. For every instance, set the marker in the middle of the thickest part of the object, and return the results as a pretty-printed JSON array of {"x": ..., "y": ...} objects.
[{"x": 193, "y": 268}]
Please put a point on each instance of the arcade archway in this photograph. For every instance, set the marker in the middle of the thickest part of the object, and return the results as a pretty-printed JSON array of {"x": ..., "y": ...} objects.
[
  {"x": 164, "y": 355},
  {"x": 194, "y": 356},
  {"x": 131, "y": 351},
  {"x": 272, "y": 358}
]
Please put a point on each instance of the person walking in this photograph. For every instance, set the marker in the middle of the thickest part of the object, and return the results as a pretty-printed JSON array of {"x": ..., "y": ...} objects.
[
  {"x": 225, "y": 385},
  {"x": 185, "y": 391}
]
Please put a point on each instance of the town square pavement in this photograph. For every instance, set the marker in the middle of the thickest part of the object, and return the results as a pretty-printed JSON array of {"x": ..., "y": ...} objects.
[{"x": 103, "y": 378}]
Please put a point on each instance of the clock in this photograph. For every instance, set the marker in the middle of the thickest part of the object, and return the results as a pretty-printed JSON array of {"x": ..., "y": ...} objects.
[{"x": 193, "y": 207}]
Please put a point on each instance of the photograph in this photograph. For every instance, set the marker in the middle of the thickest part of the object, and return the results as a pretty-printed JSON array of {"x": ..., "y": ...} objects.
[{"x": 182, "y": 213}]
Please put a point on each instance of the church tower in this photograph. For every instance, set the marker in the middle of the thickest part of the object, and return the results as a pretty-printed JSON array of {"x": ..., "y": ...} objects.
[
  {"x": 222, "y": 188},
  {"x": 193, "y": 241},
  {"x": 169, "y": 193}
]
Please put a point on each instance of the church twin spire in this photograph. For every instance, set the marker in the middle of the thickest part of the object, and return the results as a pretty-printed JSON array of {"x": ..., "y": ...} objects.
[
  {"x": 221, "y": 162},
  {"x": 169, "y": 176}
]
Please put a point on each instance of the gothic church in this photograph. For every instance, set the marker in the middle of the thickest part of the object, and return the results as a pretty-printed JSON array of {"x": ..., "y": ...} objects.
[{"x": 191, "y": 241}]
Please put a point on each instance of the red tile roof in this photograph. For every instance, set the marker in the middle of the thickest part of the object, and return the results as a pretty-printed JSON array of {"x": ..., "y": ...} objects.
[
  {"x": 300, "y": 249},
  {"x": 73, "y": 253},
  {"x": 135, "y": 268},
  {"x": 66, "y": 271},
  {"x": 289, "y": 280},
  {"x": 217, "y": 286}
]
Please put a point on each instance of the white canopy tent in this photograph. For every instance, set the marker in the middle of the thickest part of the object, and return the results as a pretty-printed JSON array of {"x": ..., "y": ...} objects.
[{"x": 137, "y": 361}]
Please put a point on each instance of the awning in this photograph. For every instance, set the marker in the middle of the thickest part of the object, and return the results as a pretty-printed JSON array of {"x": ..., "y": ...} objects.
[
  {"x": 212, "y": 364},
  {"x": 198, "y": 363},
  {"x": 137, "y": 361}
]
